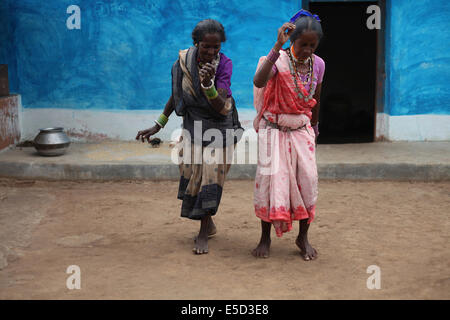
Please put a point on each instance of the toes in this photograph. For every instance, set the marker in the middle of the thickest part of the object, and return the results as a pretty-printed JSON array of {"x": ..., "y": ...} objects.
[
  {"x": 305, "y": 256},
  {"x": 260, "y": 254},
  {"x": 309, "y": 256},
  {"x": 200, "y": 251},
  {"x": 313, "y": 254}
]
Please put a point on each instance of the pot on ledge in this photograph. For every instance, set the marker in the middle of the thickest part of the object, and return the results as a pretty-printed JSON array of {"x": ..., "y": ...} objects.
[{"x": 51, "y": 141}]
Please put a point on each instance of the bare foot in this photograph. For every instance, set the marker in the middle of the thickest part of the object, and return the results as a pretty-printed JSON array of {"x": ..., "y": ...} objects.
[
  {"x": 306, "y": 250},
  {"x": 212, "y": 230},
  {"x": 262, "y": 250},
  {"x": 201, "y": 244}
]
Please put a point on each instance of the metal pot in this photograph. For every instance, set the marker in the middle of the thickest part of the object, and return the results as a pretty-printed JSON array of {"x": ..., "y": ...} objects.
[{"x": 51, "y": 142}]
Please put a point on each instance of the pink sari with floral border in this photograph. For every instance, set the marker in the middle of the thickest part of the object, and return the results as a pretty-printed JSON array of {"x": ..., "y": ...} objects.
[{"x": 286, "y": 182}]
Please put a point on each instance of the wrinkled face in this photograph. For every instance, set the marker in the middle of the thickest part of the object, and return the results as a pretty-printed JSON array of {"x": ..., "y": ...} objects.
[
  {"x": 209, "y": 47},
  {"x": 306, "y": 44}
]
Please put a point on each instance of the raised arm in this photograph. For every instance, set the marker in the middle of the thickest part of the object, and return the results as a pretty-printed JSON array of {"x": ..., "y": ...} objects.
[{"x": 265, "y": 71}]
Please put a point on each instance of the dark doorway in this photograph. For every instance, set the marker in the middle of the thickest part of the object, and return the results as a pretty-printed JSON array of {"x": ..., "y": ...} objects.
[{"x": 349, "y": 48}]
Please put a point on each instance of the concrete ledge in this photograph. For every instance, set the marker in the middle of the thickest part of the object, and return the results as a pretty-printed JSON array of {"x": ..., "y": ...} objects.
[
  {"x": 348, "y": 171},
  {"x": 118, "y": 160},
  {"x": 385, "y": 171}
]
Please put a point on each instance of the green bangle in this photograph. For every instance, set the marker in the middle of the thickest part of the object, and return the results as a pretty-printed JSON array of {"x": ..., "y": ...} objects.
[
  {"x": 162, "y": 120},
  {"x": 211, "y": 93}
]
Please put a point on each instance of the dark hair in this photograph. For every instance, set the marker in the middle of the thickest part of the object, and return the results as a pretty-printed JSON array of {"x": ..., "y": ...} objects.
[
  {"x": 306, "y": 23},
  {"x": 208, "y": 26}
]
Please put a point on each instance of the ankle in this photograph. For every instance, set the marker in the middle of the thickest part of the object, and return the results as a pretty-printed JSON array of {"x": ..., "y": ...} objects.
[
  {"x": 302, "y": 237},
  {"x": 202, "y": 235}
]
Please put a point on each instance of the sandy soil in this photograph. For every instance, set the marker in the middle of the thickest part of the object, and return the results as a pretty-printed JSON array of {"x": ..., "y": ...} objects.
[{"x": 130, "y": 243}]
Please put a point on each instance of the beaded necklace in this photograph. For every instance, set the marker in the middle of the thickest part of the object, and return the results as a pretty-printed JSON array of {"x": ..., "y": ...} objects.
[
  {"x": 307, "y": 61},
  {"x": 303, "y": 94}
]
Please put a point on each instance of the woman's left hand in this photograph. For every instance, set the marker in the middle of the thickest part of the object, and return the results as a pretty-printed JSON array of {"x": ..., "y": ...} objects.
[{"x": 206, "y": 74}]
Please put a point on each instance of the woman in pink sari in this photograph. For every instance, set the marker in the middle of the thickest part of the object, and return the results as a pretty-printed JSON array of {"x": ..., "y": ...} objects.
[{"x": 287, "y": 98}]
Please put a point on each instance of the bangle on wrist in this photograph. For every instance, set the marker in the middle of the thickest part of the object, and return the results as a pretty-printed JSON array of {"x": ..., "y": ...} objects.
[
  {"x": 208, "y": 87},
  {"x": 273, "y": 56},
  {"x": 162, "y": 120},
  {"x": 214, "y": 96},
  {"x": 210, "y": 92}
]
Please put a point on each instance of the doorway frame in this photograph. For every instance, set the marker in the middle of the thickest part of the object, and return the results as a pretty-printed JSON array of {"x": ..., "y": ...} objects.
[{"x": 380, "y": 123}]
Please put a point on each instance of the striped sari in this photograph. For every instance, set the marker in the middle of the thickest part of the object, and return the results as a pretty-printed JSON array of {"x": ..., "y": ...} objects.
[{"x": 201, "y": 184}]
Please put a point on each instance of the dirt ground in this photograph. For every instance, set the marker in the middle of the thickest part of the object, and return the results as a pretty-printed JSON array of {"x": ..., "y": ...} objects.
[{"x": 130, "y": 243}]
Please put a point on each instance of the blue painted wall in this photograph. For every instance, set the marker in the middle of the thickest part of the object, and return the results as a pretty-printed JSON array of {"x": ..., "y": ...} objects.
[
  {"x": 121, "y": 57},
  {"x": 418, "y": 57},
  {"x": 7, "y": 51}
]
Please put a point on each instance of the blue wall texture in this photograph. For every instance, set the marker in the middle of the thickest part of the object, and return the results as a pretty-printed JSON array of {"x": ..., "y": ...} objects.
[
  {"x": 418, "y": 57},
  {"x": 7, "y": 51},
  {"x": 122, "y": 56}
]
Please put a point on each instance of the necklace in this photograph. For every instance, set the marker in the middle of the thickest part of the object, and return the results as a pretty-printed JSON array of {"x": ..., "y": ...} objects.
[
  {"x": 305, "y": 72},
  {"x": 302, "y": 62},
  {"x": 303, "y": 67},
  {"x": 301, "y": 90}
]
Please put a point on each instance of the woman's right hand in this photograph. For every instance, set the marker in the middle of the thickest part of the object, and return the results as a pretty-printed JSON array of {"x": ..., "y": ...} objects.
[
  {"x": 283, "y": 36},
  {"x": 147, "y": 133}
]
